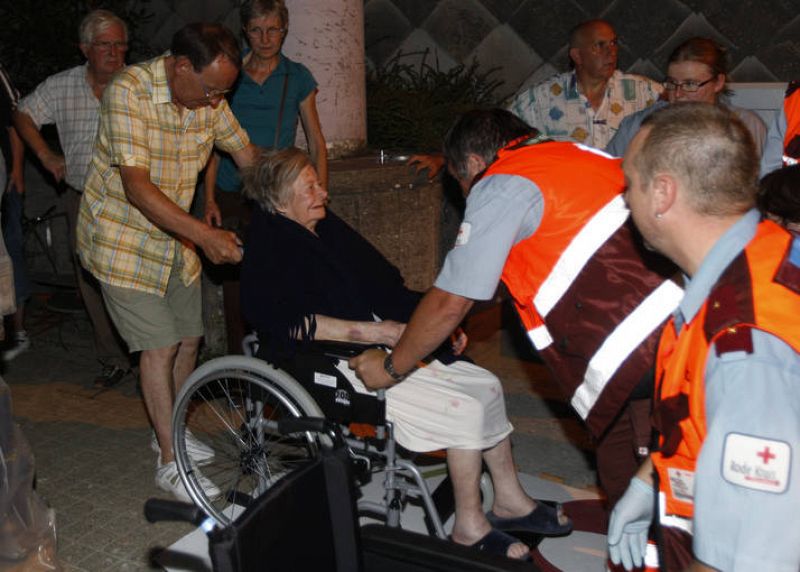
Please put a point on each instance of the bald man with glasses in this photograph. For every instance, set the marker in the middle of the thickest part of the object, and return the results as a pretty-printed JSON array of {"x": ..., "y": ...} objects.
[{"x": 587, "y": 103}]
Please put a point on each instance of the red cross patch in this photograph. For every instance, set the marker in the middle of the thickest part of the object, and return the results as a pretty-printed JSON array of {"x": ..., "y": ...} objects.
[{"x": 756, "y": 463}]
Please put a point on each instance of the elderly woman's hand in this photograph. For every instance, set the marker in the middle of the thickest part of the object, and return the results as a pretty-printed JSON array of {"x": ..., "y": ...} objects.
[{"x": 390, "y": 332}]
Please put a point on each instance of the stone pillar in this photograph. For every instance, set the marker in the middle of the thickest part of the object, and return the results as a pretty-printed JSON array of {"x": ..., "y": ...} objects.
[{"x": 328, "y": 37}]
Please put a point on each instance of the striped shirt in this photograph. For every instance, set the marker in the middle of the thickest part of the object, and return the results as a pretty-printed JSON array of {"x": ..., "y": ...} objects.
[
  {"x": 67, "y": 100},
  {"x": 141, "y": 127}
]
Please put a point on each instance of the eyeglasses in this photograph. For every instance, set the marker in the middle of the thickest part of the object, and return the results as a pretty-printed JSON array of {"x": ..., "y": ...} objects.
[
  {"x": 688, "y": 86},
  {"x": 212, "y": 94},
  {"x": 272, "y": 33},
  {"x": 106, "y": 46},
  {"x": 603, "y": 46}
]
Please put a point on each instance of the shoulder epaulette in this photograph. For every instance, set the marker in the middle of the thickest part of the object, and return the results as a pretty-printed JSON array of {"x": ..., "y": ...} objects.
[{"x": 730, "y": 304}]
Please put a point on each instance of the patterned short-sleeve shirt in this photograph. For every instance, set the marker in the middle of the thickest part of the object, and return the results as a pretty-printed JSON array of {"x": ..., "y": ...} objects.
[
  {"x": 557, "y": 108},
  {"x": 141, "y": 127}
]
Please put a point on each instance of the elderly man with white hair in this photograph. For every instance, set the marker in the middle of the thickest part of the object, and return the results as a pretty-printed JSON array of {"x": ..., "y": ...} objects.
[{"x": 71, "y": 100}]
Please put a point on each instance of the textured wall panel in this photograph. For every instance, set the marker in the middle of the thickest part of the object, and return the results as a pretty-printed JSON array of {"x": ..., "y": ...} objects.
[
  {"x": 460, "y": 25},
  {"x": 535, "y": 20},
  {"x": 763, "y": 38}
]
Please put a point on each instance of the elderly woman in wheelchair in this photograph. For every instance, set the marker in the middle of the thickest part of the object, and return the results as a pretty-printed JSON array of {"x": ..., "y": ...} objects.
[{"x": 308, "y": 276}]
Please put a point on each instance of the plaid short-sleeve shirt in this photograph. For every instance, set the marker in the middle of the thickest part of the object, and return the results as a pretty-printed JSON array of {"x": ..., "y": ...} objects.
[{"x": 141, "y": 127}]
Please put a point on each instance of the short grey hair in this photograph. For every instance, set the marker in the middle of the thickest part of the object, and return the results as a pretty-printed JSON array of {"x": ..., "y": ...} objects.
[
  {"x": 258, "y": 8},
  {"x": 268, "y": 181},
  {"x": 98, "y": 21},
  {"x": 709, "y": 149}
]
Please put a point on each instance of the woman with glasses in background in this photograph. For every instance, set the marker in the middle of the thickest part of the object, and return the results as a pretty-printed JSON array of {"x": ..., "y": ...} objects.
[
  {"x": 697, "y": 70},
  {"x": 271, "y": 92}
]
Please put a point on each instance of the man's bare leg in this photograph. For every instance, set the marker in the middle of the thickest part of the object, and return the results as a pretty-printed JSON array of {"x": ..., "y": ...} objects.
[
  {"x": 156, "y": 375},
  {"x": 185, "y": 361},
  {"x": 470, "y": 522},
  {"x": 510, "y": 499}
]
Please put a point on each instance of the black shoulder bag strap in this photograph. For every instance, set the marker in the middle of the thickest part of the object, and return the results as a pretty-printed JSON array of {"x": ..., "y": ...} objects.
[{"x": 280, "y": 109}]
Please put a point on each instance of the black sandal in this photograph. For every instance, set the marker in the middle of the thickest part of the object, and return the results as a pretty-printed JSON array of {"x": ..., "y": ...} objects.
[
  {"x": 497, "y": 542},
  {"x": 542, "y": 520}
]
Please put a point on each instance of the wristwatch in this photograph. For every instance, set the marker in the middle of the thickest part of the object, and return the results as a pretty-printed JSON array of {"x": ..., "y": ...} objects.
[{"x": 388, "y": 367}]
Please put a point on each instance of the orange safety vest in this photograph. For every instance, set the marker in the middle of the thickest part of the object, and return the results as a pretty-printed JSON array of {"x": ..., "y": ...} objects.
[
  {"x": 759, "y": 289},
  {"x": 791, "y": 110},
  {"x": 576, "y": 183},
  {"x": 580, "y": 276}
]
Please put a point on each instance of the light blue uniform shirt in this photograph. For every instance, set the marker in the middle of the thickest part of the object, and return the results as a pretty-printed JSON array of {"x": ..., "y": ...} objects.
[
  {"x": 501, "y": 211},
  {"x": 629, "y": 128},
  {"x": 757, "y": 396}
]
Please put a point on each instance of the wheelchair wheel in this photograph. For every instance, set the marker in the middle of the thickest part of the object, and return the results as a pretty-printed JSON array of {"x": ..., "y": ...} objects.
[{"x": 227, "y": 446}]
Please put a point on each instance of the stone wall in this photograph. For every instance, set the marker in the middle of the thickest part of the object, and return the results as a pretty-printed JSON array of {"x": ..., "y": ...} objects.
[{"x": 395, "y": 209}]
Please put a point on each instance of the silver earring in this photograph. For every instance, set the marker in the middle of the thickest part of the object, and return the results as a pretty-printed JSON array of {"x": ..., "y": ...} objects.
[{"x": 658, "y": 215}]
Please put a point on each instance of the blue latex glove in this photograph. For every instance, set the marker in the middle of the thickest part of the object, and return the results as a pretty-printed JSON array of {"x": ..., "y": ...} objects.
[{"x": 630, "y": 519}]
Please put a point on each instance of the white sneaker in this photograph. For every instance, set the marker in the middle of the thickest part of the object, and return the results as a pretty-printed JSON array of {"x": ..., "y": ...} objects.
[
  {"x": 200, "y": 453},
  {"x": 168, "y": 479},
  {"x": 20, "y": 343}
]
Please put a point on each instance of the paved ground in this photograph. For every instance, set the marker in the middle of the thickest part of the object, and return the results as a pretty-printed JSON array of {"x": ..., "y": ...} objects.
[{"x": 95, "y": 467}]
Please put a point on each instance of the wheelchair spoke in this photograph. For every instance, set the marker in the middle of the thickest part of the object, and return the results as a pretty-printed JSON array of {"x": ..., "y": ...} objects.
[{"x": 222, "y": 419}]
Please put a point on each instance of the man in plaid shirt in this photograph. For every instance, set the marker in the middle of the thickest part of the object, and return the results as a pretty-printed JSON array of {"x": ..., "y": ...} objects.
[{"x": 158, "y": 123}]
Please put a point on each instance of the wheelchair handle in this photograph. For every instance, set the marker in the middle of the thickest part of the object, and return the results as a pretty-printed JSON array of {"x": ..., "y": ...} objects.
[{"x": 158, "y": 510}]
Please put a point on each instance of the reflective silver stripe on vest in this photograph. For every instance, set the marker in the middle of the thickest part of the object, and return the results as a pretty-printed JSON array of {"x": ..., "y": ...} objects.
[
  {"x": 651, "y": 556},
  {"x": 590, "y": 238},
  {"x": 625, "y": 338},
  {"x": 540, "y": 337}
]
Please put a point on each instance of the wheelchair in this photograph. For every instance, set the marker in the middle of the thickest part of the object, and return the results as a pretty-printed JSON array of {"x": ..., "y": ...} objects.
[{"x": 234, "y": 404}]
